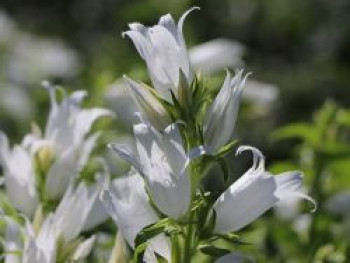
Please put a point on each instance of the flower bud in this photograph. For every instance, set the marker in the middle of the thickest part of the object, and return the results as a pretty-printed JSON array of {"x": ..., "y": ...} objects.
[{"x": 149, "y": 105}]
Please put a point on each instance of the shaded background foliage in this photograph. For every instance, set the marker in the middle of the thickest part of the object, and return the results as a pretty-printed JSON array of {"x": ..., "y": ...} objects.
[{"x": 301, "y": 46}]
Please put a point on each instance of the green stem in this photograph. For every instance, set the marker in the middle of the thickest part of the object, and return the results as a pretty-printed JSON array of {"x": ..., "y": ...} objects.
[
  {"x": 188, "y": 240},
  {"x": 318, "y": 194},
  {"x": 190, "y": 229},
  {"x": 188, "y": 244},
  {"x": 175, "y": 249}
]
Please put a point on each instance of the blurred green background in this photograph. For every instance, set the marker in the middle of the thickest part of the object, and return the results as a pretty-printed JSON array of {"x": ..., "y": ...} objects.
[{"x": 300, "y": 47}]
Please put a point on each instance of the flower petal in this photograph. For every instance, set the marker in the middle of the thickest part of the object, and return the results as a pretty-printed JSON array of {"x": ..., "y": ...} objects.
[
  {"x": 20, "y": 181},
  {"x": 172, "y": 145},
  {"x": 71, "y": 214},
  {"x": 127, "y": 203},
  {"x": 12, "y": 241},
  {"x": 244, "y": 201},
  {"x": 163, "y": 48},
  {"x": 84, "y": 120},
  {"x": 253, "y": 194},
  {"x": 123, "y": 152},
  {"x": 62, "y": 172},
  {"x": 4, "y": 149},
  {"x": 84, "y": 249},
  {"x": 158, "y": 245},
  {"x": 289, "y": 187},
  {"x": 170, "y": 191},
  {"x": 221, "y": 117}
]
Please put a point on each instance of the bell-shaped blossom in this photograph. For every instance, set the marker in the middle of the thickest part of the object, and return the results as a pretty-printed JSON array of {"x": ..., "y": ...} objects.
[
  {"x": 19, "y": 175},
  {"x": 164, "y": 49},
  {"x": 59, "y": 154},
  {"x": 148, "y": 104},
  {"x": 97, "y": 213},
  {"x": 66, "y": 133},
  {"x": 162, "y": 161},
  {"x": 254, "y": 193},
  {"x": 73, "y": 212},
  {"x": 62, "y": 226},
  {"x": 127, "y": 203},
  {"x": 41, "y": 247},
  {"x": 21, "y": 244},
  {"x": 220, "y": 119}
]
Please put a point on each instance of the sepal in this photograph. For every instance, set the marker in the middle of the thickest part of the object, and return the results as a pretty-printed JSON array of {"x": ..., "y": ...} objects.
[{"x": 166, "y": 226}]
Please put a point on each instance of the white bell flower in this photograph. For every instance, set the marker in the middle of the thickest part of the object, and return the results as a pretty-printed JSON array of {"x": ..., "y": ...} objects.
[
  {"x": 19, "y": 175},
  {"x": 254, "y": 193},
  {"x": 162, "y": 161},
  {"x": 127, "y": 203},
  {"x": 164, "y": 49},
  {"x": 43, "y": 247},
  {"x": 220, "y": 119},
  {"x": 64, "y": 225},
  {"x": 66, "y": 132},
  {"x": 62, "y": 152},
  {"x": 71, "y": 214}
]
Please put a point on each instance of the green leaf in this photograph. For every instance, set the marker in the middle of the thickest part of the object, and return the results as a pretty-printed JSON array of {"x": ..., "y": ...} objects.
[
  {"x": 213, "y": 251},
  {"x": 335, "y": 150},
  {"x": 184, "y": 92},
  {"x": 232, "y": 238},
  {"x": 343, "y": 118},
  {"x": 147, "y": 233},
  {"x": 227, "y": 148},
  {"x": 139, "y": 252},
  {"x": 326, "y": 115},
  {"x": 209, "y": 222},
  {"x": 163, "y": 226},
  {"x": 304, "y": 131}
]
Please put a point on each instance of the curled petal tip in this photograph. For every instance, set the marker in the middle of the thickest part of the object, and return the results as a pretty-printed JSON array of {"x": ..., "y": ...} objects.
[
  {"x": 258, "y": 157},
  {"x": 124, "y": 33},
  {"x": 313, "y": 202},
  {"x": 195, "y": 8},
  {"x": 254, "y": 150}
]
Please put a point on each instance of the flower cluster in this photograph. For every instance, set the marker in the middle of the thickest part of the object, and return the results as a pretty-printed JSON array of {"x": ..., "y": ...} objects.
[
  {"x": 161, "y": 207},
  {"x": 48, "y": 206}
]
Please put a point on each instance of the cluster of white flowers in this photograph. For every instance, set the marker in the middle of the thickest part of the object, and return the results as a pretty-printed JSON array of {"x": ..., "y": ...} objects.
[
  {"x": 160, "y": 207},
  {"x": 41, "y": 182}
]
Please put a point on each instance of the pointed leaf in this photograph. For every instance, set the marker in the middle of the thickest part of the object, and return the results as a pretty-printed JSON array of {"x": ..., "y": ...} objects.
[
  {"x": 184, "y": 92},
  {"x": 227, "y": 148},
  {"x": 213, "y": 251}
]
